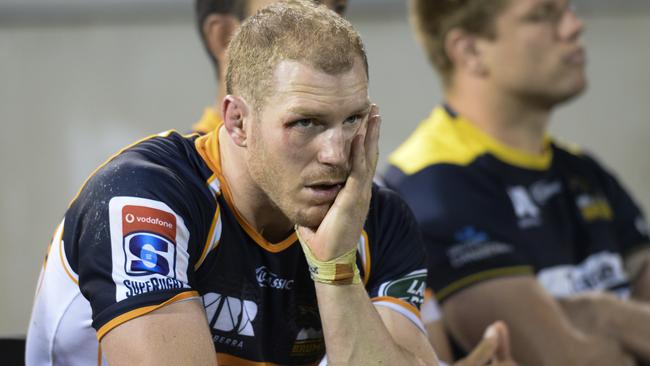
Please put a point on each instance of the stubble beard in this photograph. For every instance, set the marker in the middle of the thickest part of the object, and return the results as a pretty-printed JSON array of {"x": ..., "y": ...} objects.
[
  {"x": 270, "y": 182},
  {"x": 269, "y": 177}
]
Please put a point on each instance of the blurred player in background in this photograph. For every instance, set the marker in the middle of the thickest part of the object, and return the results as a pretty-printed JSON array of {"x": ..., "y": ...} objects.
[{"x": 517, "y": 226}]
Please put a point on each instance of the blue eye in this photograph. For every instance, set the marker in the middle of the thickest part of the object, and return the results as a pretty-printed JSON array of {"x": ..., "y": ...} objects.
[
  {"x": 352, "y": 119},
  {"x": 303, "y": 123}
]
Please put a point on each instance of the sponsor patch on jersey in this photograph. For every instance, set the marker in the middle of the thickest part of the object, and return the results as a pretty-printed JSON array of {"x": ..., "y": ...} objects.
[
  {"x": 230, "y": 318},
  {"x": 527, "y": 212},
  {"x": 149, "y": 241},
  {"x": 410, "y": 288},
  {"x": 594, "y": 207},
  {"x": 473, "y": 246},
  {"x": 309, "y": 342},
  {"x": 600, "y": 271},
  {"x": 149, "y": 246}
]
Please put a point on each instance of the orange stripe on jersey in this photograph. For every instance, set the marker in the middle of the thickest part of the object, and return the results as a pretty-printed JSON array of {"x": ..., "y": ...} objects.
[
  {"x": 428, "y": 294},
  {"x": 225, "y": 359},
  {"x": 65, "y": 264},
  {"x": 366, "y": 264},
  {"x": 208, "y": 241},
  {"x": 99, "y": 355},
  {"x": 56, "y": 236},
  {"x": 399, "y": 302},
  {"x": 162, "y": 134},
  {"x": 141, "y": 311},
  {"x": 208, "y": 147},
  {"x": 229, "y": 360}
]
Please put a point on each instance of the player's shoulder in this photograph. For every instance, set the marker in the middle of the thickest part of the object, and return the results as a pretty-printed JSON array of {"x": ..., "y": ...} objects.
[
  {"x": 576, "y": 158},
  {"x": 389, "y": 216},
  {"x": 439, "y": 187},
  {"x": 442, "y": 138},
  {"x": 386, "y": 202},
  {"x": 156, "y": 165}
]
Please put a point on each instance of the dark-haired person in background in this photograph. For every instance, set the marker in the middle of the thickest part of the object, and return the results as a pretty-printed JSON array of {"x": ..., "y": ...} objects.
[
  {"x": 518, "y": 227},
  {"x": 217, "y": 21}
]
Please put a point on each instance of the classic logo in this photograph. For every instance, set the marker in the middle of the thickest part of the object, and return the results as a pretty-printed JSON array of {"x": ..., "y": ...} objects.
[
  {"x": 149, "y": 241},
  {"x": 230, "y": 315},
  {"x": 409, "y": 288},
  {"x": 266, "y": 278}
]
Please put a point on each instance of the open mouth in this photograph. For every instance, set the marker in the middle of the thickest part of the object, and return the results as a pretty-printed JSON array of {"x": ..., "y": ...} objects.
[{"x": 324, "y": 192}]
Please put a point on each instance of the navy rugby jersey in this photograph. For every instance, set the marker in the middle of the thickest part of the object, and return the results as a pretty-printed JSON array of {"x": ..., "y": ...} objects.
[
  {"x": 156, "y": 224},
  {"x": 487, "y": 211}
]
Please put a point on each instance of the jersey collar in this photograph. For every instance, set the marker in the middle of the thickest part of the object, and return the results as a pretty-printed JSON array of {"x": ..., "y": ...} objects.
[
  {"x": 208, "y": 147},
  {"x": 500, "y": 150}
]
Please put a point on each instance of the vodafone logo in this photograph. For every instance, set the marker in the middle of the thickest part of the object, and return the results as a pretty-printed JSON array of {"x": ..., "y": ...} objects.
[
  {"x": 150, "y": 220},
  {"x": 131, "y": 218}
]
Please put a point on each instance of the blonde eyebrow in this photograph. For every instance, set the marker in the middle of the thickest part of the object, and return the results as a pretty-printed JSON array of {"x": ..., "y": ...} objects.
[{"x": 309, "y": 113}]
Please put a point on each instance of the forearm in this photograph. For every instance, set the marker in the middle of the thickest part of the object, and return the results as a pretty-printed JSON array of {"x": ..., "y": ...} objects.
[
  {"x": 641, "y": 284},
  {"x": 176, "y": 334},
  {"x": 541, "y": 332},
  {"x": 637, "y": 266},
  {"x": 629, "y": 323},
  {"x": 354, "y": 332},
  {"x": 439, "y": 341}
]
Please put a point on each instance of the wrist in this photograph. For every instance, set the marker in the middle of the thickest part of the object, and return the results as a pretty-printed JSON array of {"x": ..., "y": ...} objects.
[
  {"x": 608, "y": 315},
  {"x": 341, "y": 270}
]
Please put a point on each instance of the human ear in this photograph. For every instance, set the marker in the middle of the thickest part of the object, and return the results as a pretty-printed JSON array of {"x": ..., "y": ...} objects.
[
  {"x": 234, "y": 111},
  {"x": 464, "y": 51}
]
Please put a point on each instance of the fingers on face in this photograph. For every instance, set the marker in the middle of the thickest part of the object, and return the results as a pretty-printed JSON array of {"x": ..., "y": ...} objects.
[
  {"x": 372, "y": 137},
  {"x": 365, "y": 149}
]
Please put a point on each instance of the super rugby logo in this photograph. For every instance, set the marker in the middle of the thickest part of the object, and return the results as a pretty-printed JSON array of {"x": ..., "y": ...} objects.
[{"x": 149, "y": 241}]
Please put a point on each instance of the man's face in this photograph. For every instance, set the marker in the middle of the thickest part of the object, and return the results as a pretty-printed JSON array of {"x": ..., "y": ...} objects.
[
  {"x": 298, "y": 148},
  {"x": 537, "y": 52}
]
